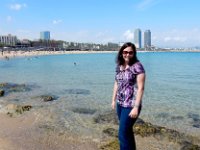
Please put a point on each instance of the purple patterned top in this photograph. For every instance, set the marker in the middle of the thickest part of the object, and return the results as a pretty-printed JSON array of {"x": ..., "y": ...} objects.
[{"x": 126, "y": 81}]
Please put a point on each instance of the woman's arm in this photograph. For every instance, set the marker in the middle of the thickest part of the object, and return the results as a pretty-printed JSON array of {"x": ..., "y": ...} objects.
[
  {"x": 140, "y": 83},
  {"x": 114, "y": 95}
]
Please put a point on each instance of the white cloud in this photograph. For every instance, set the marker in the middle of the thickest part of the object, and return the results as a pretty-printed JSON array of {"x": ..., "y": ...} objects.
[
  {"x": 57, "y": 21},
  {"x": 128, "y": 35},
  {"x": 8, "y": 18},
  {"x": 17, "y": 6},
  {"x": 177, "y": 38}
]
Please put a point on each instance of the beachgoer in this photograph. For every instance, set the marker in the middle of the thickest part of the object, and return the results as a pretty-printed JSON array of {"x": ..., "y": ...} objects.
[{"x": 127, "y": 93}]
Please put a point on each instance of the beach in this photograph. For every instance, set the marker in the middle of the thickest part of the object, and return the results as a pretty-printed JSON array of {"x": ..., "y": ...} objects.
[{"x": 20, "y": 53}]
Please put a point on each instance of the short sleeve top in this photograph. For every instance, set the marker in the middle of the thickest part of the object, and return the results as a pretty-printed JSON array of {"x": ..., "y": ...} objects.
[{"x": 127, "y": 85}]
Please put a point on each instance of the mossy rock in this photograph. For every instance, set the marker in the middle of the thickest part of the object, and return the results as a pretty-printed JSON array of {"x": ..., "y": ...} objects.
[
  {"x": 112, "y": 145},
  {"x": 13, "y": 109}
]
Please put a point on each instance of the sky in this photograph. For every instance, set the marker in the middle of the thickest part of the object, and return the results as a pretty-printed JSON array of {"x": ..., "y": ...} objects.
[{"x": 173, "y": 23}]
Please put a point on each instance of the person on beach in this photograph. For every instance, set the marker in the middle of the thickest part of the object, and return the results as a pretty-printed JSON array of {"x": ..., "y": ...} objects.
[{"x": 127, "y": 93}]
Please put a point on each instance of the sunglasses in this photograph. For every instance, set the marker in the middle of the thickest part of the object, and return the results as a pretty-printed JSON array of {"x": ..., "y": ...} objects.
[{"x": 126, "y": 52}]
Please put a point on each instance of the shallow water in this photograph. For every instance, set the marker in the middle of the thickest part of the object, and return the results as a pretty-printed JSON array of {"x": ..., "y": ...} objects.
[{"x": 84, "y": 89}]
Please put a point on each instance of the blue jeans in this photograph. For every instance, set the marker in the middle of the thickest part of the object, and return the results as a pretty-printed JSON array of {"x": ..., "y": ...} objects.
[{"x": 126, "y": 135}]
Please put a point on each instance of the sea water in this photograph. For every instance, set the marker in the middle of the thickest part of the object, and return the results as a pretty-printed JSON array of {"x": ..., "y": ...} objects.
[{"x": 85, "y": 81}]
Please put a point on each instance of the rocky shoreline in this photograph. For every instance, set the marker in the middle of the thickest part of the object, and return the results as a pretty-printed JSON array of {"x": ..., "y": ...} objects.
[{"x": 19, "y": 120}]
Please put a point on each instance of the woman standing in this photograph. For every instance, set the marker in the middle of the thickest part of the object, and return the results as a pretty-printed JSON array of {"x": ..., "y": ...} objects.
[{"x": 128, "y": 91}]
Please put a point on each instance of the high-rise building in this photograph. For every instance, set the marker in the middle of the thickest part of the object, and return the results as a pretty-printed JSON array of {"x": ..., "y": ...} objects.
[
  {"x": 8, "y": 40},
  {"x": 45, "y": 35},
  {"x": 147, "y": 39},
  {"x": 138, "y": 38}
]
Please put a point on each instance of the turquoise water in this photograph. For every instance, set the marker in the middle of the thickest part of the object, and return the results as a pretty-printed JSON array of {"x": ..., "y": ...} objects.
[{"x": 171, "y": 92}]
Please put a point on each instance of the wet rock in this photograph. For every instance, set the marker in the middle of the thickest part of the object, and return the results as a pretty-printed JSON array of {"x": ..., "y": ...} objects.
[
  {"x": 107, "y": 117},
  {"x": 12, "y": 87},
  {"x": 147, "y": 129},
  {"x": 162, "y": 115},
  {"x": 193, "y": 116},
  {"x": 77, "y": 91},
  {"x": 2, "y": 93},
  {"x": 144, "y": 129},
  {"x": 195, "y": 119},
  {"x": 112, "y": 145},
  {"x": 111, "y": 132},
  {"x": 84, "y": 111},
  {"x": 3, "y": 85},
  {"x": 46, "y": 98},
  {"x": 177, "y": 118},
  {"x": 196, "y": 123},
  {"x": 13, "y": 109},
  {"x": 188, "y": 146}
]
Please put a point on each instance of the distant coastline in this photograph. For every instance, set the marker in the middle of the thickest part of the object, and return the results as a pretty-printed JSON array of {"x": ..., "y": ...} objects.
[{"x": 22, "y": 53}]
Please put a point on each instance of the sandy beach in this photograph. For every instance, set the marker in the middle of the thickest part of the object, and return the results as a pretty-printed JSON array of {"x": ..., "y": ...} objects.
[
  {"x": 21, "y": 53},
  {"x": 12, "y": 54}
]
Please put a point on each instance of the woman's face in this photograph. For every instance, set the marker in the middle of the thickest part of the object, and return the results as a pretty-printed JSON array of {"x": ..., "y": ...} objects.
[{"x": 127, "y": 54}]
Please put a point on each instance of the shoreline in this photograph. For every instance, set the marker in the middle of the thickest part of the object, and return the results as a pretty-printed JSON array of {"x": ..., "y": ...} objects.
[
  {"x": 13, "y": 54},
  {"x": 21, "y": 53}
]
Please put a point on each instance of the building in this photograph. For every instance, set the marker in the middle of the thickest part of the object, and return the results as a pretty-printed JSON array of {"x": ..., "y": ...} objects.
[
  {"x": 147, "y": 39},
  {"x": 138, "y": 38},
  {"x": 45, "y": 35},
  {"x": 8, "y": 40}
]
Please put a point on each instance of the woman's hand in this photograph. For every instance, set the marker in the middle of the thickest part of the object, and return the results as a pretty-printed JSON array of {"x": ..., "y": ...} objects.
[
  {"x": 134, "y": 112},
  {"x": 113, "y": 105}
]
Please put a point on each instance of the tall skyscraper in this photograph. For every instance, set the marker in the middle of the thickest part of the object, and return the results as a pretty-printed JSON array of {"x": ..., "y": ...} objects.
[
  {"x": 147, "y": 39},
  {"x": 45, "y": 35},
  {"x": 138, "y": 38}
]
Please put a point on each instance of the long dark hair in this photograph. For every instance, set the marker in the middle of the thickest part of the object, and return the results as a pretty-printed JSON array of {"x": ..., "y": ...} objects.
[{"x": 120, "y": 59}]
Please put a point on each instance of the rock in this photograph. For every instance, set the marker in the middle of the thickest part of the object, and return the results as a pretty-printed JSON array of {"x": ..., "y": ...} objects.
[
  {"x": 193, "y": 116},
  {"x": 188, "y": 146},
  {"x": 177, "y": 118},
  {"x": 146, "y": 129},
  {"x": 77, "y": 91},
  {"x": 112, "y": 145},
  {"x": 196, "y": 123},
  {"x": 107, "y": 117},
  {"x": 12, "y": 87},
  {"x": 47, "y": 98},
  {"x": 12, "y": 109},
  {"x": 2, "y": 85},
  {"x": 2, "y": 93},
  {"x": 111, "y": 132},
  {"x": 162, "y": 115},
  {"x": 84, "y": 110}
]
